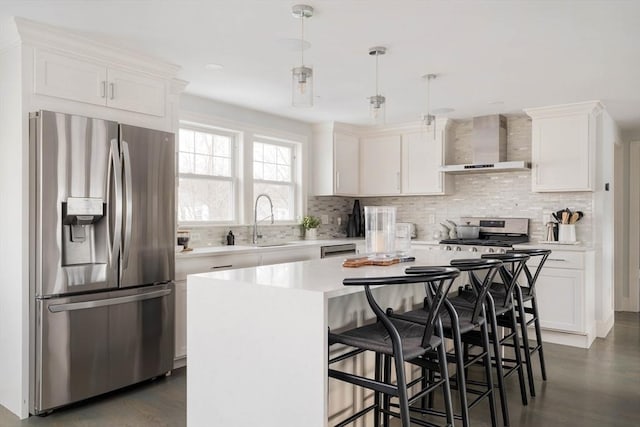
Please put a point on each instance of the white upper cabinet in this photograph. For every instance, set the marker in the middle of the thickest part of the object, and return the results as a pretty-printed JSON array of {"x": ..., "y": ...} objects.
[
  {"x": 563, "y": 147},
  {"x": 380, "y": 172},
  {"x": 335, "y": 160},
  {"x": 423, "y": 153},
  {"x": 92, "y": 82}
]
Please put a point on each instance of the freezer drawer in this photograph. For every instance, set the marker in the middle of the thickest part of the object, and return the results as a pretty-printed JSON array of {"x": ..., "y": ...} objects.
[{"x": 91, "y": 344}]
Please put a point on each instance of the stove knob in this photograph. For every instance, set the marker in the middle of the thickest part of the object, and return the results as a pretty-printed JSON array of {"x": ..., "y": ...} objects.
[
  {"x": 458, "y": 248},
  {"x": 447, "y": 248},
  {"x": 473, "y": 249},
  {"x": 502, "y": 251},
  {"x": 491, "y": 250}
]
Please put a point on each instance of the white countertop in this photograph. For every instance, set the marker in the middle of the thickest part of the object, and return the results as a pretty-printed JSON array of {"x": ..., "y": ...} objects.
[
  {"x": 324, "y": 275},
  {"x": 554, "y": 246},
  {"x": 240, "y": 249}
]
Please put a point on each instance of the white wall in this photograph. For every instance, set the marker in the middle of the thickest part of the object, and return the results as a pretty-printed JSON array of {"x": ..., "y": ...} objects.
[
  {"x": 14, "y": 244},
  {"x": 630, "y": 297}
]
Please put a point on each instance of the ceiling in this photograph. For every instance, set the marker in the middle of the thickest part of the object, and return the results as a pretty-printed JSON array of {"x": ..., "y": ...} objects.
[{"x": 490, "y": 56}]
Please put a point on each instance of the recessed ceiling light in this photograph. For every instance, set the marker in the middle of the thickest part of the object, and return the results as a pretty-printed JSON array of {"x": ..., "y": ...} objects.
[
  {"x": 495, "y": 102},
  {"x": 214, "y": 67}
]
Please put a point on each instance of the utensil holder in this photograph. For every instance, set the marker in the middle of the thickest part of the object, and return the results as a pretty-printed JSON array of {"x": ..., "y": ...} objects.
[{"x": 567, "y": 233}]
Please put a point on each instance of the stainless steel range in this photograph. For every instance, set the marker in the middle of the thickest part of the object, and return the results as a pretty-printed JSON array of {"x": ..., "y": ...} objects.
[{"x": 496, "y": 235}]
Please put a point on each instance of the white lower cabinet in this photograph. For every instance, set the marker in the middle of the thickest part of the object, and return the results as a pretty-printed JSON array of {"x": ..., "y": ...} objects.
[
  {"x": 566, "y": 298},
  {"x": 180, "y": 319}
]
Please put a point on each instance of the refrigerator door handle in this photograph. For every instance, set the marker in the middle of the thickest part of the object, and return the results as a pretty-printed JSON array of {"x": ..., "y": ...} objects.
[
  {"x": 57, "y": 308},
  {"x": 129, "y": 204},
  {"x": 115, "y": 170}
]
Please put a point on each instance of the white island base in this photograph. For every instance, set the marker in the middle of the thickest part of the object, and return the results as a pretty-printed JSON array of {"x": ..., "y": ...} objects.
[{"x": 257, "y": 340}]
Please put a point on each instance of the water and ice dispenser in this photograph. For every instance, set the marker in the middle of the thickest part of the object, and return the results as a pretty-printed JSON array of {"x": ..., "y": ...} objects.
[{"x": 84, "y": 231}]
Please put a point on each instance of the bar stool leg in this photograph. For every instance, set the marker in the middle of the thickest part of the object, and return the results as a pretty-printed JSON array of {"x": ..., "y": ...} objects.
[
  {"x": 446, "y": 387},
  {"x": 488, "y": 373},
  {"x": 386, "y": 398},
  {"x": 525, "y": 340},
  {"x": 403, "y": 398},
  {"x": 518, "y": 355},
  {"x": 536, "y": 322},
  {"x": 498, "y": 355},
  {"x": 460, "y": 372},
  {"x": 376, "y": 396}
]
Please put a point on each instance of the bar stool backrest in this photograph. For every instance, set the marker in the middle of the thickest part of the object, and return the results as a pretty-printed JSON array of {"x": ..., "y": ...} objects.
[
  {"x": 437, "y": 282},
  {"x": 532, "y": 278},
  {"x": 512, "y": 266},
  {"x": 480, "y": 287}
]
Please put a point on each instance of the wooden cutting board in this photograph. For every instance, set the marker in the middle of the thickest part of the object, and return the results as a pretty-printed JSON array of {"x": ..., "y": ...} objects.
[{"x": 359, "y": 262}]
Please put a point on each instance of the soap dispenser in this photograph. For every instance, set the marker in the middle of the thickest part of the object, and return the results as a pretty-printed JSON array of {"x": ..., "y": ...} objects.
[{"x": 231, "y": 239}]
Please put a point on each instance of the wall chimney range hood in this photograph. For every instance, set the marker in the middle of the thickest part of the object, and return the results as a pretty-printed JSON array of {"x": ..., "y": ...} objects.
[{"x": 489, "y": 145}]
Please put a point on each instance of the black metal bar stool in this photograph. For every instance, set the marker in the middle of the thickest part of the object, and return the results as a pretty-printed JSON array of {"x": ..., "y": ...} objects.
[
  {"x": 464, "y": 320},
  {"x": 502, "y": 310},
  {"x": 527, "y": 294},
  {"x": 399, "y": 341}
]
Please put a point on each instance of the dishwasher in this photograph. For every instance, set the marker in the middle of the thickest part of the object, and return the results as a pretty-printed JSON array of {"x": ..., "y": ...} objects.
[{"x": 337, "y": 250}]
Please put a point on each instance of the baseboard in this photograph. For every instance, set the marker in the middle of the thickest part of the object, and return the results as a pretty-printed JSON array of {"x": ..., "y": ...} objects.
[
  {"x": 180, "y": 362},
  {"x": 565, "y": 338},
  {"x": 604, "y": 327}
]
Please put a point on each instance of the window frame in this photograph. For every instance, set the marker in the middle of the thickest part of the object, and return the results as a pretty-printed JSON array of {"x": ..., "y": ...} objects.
[
  {"x": 295, "y": 180},
  {"x": 243, "y": 150},
  {"x": 234, "y": 179}
]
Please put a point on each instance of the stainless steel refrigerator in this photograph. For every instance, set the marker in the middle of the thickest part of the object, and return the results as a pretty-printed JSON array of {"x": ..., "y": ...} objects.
[{"x": 102, "y": 257}]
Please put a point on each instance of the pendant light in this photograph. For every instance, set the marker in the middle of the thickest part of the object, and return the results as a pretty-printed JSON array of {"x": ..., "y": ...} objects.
[
  {"x": 377, "y": 102},
  {"x": 428, "y": 119},
  {"x": 302, "y": 76}
]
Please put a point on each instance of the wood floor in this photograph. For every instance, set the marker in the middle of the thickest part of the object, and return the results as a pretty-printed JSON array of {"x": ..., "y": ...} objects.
[{"x": 586, "y": 388}]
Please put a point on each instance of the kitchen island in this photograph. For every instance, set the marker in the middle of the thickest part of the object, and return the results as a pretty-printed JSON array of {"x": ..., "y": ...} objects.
[{"x": 257, "y": 339}]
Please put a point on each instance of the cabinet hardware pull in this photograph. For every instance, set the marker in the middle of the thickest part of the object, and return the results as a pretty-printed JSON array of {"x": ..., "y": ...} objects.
[
  {"x": 103, "y": 89},
  {"x": 337, "y": 180},
  {"x": 221, "y": 266},
  {"x": 112, "y": 90},
  {"x": 398, "y": 180},
  {"x": 557, "y": 259}
]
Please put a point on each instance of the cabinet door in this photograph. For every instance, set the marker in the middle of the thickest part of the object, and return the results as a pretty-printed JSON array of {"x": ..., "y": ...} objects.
[
  {"x": 136, "y": 92},
  {"x": 65, "y": 77},
  {"x": 181, "y": 319},
  {"x": 560, "y": 295},
  {"x": 562, "y": 153},
  {"x": 421, "y": 162},
  {"x": 380, "y": 165},
  {"x": 347, "y": 164}
]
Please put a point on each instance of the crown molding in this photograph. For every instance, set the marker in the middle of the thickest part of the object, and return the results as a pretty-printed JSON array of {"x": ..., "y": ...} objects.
[
  {"x": 81, "y": 45},
  {"x": 587, "y": 107}
]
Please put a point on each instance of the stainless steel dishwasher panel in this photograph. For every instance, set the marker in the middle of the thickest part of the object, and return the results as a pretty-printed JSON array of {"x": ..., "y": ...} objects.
[
  {"x": 337, "y": 250},
  {"x": 91, "y": 344}
]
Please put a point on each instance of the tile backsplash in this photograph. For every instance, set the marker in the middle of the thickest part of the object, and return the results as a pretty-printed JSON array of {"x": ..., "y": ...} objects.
[{"x": 503, "y": 194}]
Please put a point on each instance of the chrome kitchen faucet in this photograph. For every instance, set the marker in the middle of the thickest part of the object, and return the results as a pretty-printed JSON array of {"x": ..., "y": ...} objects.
[{"x": 255, "y": 217}]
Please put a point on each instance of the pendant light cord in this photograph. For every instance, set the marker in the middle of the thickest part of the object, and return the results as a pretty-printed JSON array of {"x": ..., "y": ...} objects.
[{"x": 302, "y": 39}]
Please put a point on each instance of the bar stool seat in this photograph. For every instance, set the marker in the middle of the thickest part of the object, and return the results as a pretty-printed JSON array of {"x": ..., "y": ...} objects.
[{"x": 375, "y": 337}]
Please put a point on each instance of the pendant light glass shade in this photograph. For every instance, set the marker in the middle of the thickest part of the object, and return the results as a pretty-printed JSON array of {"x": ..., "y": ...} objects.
[
  {"x": 302, "y": 86},
  {"x": 302, "y": 76},
  {"x": 377, "y": 102}
]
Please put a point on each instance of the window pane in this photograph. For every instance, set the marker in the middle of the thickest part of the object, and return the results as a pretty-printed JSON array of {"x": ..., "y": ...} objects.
[
  {"x": 282, "y": 197},
  {"x": 221, "y": 166},
  {"x": 185, "y": 163},
  {"x": 270, "y": 171},
  {"x": 205, "y": 200},
  {"x": 186, "y": 140},
  {"x": 204, "y": 143},
  {"x": 269, "y": 153},
  {"x": 284, "y": 155},
  {"x": 258, "y": 152},
  {"x": 258, "y": 170},
  {"x": 222, "y": 146},
  {"x": 203, "y": 165},
  {"x": 284, "y": 173}
]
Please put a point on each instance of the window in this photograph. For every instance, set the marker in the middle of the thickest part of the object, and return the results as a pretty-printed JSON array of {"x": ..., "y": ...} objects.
[
  {"x": 274, "y": 174},
  {"x": 206, "y": 170}
]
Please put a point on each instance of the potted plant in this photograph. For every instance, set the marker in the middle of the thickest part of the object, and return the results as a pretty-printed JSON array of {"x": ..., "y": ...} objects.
[{"x": 310, "y": 225}]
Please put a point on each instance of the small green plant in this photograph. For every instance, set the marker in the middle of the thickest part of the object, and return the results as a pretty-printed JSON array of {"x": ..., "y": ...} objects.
[{"x": 310, "y": 222}]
